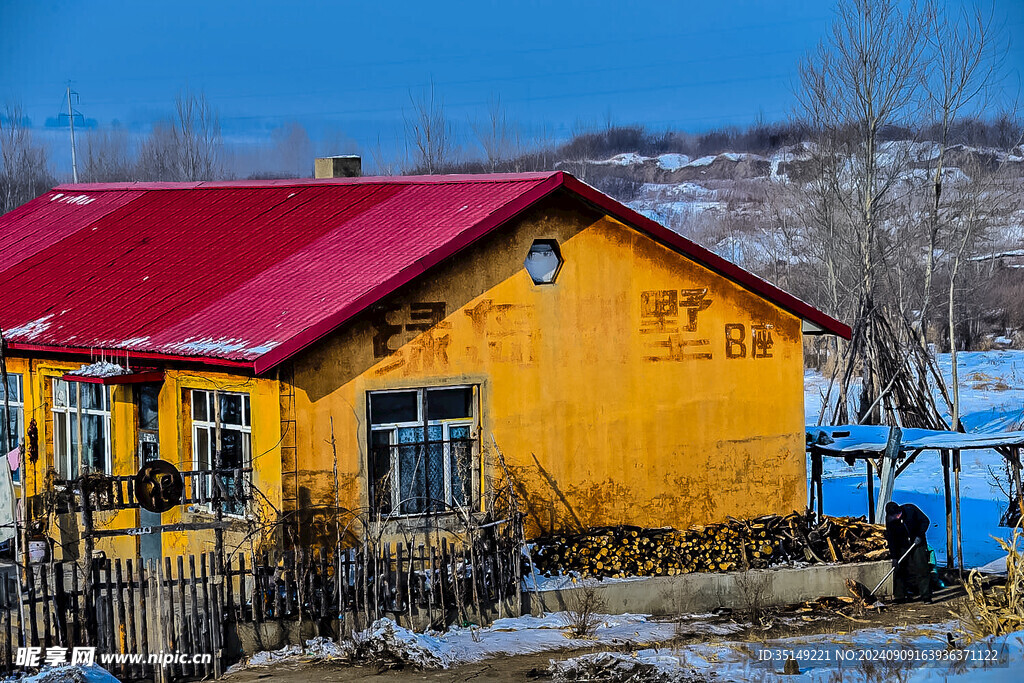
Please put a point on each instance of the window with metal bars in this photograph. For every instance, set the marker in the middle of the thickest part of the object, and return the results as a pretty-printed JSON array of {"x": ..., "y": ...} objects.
[
  {"x": 232, "y": 415},
  {"x": 422, "y": 449}
]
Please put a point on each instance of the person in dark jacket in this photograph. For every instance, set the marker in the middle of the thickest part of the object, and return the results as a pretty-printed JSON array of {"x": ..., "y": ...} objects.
[{"x": 906, "y": 525}]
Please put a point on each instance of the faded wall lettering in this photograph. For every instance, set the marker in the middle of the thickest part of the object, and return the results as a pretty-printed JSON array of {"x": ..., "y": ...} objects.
[
  {"x": 506, "y": 329},
  {"x": 659, "y": 315},
  {"x": 396, "y": 324},
  {"x": 735, "y": 346},
  {"x": 761, "y": 341}
]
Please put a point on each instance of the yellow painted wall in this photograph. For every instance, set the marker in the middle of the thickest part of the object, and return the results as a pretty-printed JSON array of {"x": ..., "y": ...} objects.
[
  {"x": 583, "y": 378},
  {"x": 175, "y": 447}
]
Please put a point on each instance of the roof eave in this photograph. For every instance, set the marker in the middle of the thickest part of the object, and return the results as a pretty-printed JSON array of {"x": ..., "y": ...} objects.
[{"x": 132, "y": 355}]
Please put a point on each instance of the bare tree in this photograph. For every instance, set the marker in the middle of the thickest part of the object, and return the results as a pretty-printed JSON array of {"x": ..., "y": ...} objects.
[
  {"x": 497, "y": 136},
  {"x": 964, "y": 59},
  {"x": 197, "y": 137},
  {"x": 24, "y": 167},
  {"x": 158, "y": 155},
  {"x": 107, "y": 156},
  {"x": 429, "y": 132},
  {"x": 293, "y": 150}
]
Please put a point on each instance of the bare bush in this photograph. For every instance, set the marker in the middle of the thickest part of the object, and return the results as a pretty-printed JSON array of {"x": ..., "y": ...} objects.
[
  {"x": 584, "y": 608},
  {"x": 753, "y": 586}
]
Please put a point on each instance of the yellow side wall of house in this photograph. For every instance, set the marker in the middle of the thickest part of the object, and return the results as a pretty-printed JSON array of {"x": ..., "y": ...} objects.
[
  {"x": 175, "y": 447},
  {"x": 591, "y": 380}
]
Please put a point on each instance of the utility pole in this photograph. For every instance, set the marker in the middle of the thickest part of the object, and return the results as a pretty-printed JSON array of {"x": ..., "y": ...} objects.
[{"x": 71, "y": 119}]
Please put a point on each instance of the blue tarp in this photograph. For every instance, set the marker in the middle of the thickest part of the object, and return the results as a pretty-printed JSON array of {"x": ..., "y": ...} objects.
[{"x": 872, "y": 438}]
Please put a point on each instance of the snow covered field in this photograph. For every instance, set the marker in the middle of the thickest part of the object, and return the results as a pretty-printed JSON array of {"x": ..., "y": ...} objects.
[
  {"x": 992, "y": 399},
  {"x": 916, "y": 653}
]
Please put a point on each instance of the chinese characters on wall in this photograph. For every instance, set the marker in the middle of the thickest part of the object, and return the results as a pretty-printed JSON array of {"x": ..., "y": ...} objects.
[
  {"x": 417, "y": 337},
  {"x": 670, "y": 324}
]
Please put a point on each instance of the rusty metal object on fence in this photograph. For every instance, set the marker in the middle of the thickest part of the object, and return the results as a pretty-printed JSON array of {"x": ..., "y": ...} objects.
[
  {"x": 734, "y": 545},
  {"x": 158, "y": 486}
]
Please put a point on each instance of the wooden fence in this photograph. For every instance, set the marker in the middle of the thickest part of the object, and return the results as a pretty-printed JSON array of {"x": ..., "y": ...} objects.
[{"x": 200, "y": 605}]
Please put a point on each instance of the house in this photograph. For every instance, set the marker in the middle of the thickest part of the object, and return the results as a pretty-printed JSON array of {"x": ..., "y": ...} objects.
[{"x": 391, "y": 349}]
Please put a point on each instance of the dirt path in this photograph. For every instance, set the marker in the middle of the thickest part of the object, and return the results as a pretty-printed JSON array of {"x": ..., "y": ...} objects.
[{"x": 522, "y": 668}]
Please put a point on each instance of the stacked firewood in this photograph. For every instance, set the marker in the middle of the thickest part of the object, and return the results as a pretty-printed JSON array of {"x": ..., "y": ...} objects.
[{"x": 737, "y": 544}]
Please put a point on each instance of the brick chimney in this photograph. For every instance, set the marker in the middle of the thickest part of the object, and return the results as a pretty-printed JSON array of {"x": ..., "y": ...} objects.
[{"x": 340, "y": 166}]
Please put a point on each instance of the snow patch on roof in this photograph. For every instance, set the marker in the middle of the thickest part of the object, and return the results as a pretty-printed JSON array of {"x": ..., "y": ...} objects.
[
  {"x": 263, "y": 348},
  {"x": 31, "y": 330},
  {"x": 131, "y": 342},
  {"x": 208, "y": 346}
]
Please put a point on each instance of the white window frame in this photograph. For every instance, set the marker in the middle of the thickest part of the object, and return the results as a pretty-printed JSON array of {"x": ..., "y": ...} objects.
[
  {"x": 17, "y": 405},
  {"x": 64, "y": 413},
  {"x": 446, "y": 424},
  {"x": 210, "y": 426}
]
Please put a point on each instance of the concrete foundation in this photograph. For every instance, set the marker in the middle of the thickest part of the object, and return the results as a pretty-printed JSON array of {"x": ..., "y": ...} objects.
[{"x": 695, "y": 593}]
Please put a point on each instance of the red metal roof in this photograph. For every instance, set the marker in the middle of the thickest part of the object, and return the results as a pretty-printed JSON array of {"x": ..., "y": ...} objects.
[{"x": 249, "y": 273}]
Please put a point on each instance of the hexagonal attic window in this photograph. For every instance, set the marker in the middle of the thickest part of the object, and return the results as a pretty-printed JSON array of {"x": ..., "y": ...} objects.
[{"x": 543, "y": 261}]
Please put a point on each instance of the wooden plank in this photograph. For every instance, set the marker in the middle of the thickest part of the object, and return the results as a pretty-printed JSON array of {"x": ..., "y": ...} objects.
[
  {"x": 5, "y": 625},
  {"x": 949, "y": 509},
  {"x": 32, "y": 604},
  {"x": 207, "y": 623},
  {"x": 44, "y": 589},
  {"x": 286, "y": 577},
  {"x": 193, "y": 633},
  {"x": 131, "y": 609},
  {"x": 887, "y": 475},
  {"x": 163, "y": 639},
  {"x": 241, "y": 590},
  {"x": 218, "y": 615},
  {"x": 143, "y": 614},
  {"x": 1015, "y": 465},
  {"x": 60, "y": 604},
  {"x": 959, "y": 520},
  {"x": 170, "y": 626},
  {"x": 257, "y": 594},
  {"x": 229, "y": 593},
  {"x": 159, "y": 528},
  {"x": 112, "y": 633},
  {"x": 871, "y": 489},
  {"x": 122, "y": 629},
  {"x": 77, "y": 615}
]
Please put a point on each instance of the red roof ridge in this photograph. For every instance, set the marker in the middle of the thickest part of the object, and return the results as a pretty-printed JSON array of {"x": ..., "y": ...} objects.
[{"x": 307, "y": 182}]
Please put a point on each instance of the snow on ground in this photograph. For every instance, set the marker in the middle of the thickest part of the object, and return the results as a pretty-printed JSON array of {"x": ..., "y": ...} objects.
[
  {"x": 992, "y": 399},
  {"x": 518, "y": 635},
  {"x": 670, "y": 204},
  {"x": 672, "y": 162},
  {"x": 818, "y": 658},
  {"x": 68, "y": 674}
]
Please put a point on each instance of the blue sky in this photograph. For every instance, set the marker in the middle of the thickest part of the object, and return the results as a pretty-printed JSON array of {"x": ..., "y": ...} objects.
[{"x": 347, "y": 68}]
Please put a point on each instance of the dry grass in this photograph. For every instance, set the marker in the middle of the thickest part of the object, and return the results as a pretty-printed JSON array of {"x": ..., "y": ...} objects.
[{"x": 999, "y": 610}]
